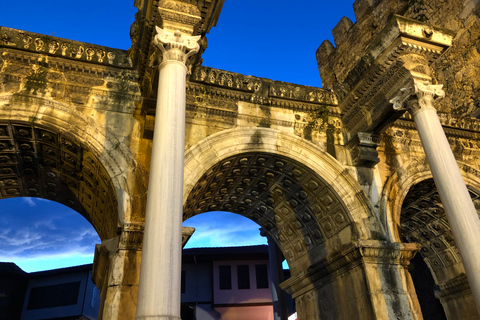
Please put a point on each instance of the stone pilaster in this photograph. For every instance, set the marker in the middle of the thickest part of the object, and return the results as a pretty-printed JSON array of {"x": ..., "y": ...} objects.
[
  {"x": 461, "y": 214},
  {"x": 116, "y": 272},
  {"x": 457, "y": 300},
  {"x": 370, "y": 277},
  {"x": 160, "y": 276}
]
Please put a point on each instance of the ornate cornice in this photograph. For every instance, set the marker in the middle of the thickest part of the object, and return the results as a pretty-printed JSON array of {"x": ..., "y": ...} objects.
[
  {"x": 363, "y": 149},
  {"x": 68, "y": 49},
  {"x": 152, "y": 12},
  {"x": 402, "y": 51},
  {"x": 261, "y": 90},
  {"x": 131, "y": 237},
  {"x": 178, "y": 15}
]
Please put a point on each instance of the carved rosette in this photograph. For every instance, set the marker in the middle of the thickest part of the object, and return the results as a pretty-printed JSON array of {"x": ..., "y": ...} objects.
[
  {"x": 420, "y": 95},
  {"x": 175, "y": 46}
]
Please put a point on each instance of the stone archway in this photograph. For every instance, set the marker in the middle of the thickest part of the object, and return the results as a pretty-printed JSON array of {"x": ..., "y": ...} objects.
[
  {"x": 83, "y": 132},
  {"x": 286, "y": 198},
  {"x": 37, "y": 161},
  {"x": 76, "y": 160},
  {"x": 217, "y": 147},
  {"x": 415, "y": 214},
  {"x": 316, "y": 211},
  {"x": 398, "y": 185}
]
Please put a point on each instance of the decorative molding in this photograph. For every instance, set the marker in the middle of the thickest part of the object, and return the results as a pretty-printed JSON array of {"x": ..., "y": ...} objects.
[
  {"x": 131, "y": 237},
  {"x": 178, "y": 15}
]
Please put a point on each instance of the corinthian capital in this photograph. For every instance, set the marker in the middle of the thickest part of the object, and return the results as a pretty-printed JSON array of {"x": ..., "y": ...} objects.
[
  {"x": 175, "y": 46},
  {"x": 420, "y": 95}
]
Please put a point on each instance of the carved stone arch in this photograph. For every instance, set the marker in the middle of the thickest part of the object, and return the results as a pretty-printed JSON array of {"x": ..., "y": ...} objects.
[
  {"x": 414, "y": 213},
  {"x": 277, "y": 162},
  {"x": 73, "y": 151},
  {"x": 399, "y": 184}
]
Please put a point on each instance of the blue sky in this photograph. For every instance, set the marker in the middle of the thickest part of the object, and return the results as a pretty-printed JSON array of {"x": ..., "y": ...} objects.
[{"x": 274, "y": 39}]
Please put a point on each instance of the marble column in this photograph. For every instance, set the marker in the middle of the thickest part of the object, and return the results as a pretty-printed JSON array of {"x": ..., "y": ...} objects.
[
  {"x": 461, "y": 214},
  {"x": 160, "y": 273}
]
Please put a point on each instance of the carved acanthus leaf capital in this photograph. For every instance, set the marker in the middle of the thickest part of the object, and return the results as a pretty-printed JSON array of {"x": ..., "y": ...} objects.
[
  {"x": 419, "y": 95},
  {"x": 175, "y": 46}
]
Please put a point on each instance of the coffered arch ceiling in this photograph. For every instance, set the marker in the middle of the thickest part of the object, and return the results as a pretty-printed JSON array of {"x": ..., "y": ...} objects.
[
  {"x": 423, "y": 220},
  {"x": 285, "y": 197},
  {"x": 37, "y": 161}
]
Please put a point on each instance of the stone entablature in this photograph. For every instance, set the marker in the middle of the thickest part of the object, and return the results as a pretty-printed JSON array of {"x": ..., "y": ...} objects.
[
  {"x": 71, "y": 80},
  {"x": 385, "y": 68},
  {"x": 263, "y": 91},
  {"x": 58, "y": 47},
  {"x": 352, "y": 39}
]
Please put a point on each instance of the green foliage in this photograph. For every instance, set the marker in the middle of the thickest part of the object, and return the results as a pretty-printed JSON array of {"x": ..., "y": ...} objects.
[
  {"x": 121, "y": 89},
  {"x": 37, "y": 81},
  {"x": 317, "y": 119}
]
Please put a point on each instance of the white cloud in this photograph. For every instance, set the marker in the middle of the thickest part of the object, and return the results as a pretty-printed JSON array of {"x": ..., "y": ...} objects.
[
  {"x": 223, "y": 229},
  {"x": 29, "y": 201},
  {"x": 43, "y": 232}
]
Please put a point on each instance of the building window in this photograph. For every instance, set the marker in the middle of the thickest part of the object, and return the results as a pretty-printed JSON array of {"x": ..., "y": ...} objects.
[
  {"x": 225, "y": 273},
  {"x": 57, "y": 295},
  {"x": 243, "y": 277},
  {"x": 262, "y": 276},
  {"x": 184, "y": 275}
]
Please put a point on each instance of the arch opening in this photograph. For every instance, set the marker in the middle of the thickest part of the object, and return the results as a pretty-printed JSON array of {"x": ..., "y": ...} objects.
[
  {"x": 38, "y": 161},
  {"x": 39, "y": 234},
  {"x": 423, "y": 220},
  {"x": 241, "y": 266},
  {"x": 291, "y": 202}
]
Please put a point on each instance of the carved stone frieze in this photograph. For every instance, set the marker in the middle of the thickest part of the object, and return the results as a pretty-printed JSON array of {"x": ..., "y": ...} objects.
[
  {"x": 263, "y": 91},
  {"x": 131, "y": 236},
  {"x": 456, "y": 286},
  {"x": 78, "y": 83},
  {"x": 177, "y": 15},
  {"x": 403, "y": 137},
  {"x": 53, "y": 46}
]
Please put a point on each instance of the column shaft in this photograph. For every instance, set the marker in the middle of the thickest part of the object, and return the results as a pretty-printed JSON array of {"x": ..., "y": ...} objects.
[
  {"x": 461, "y": 214},
  {"x": 160, "y": 275}
]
